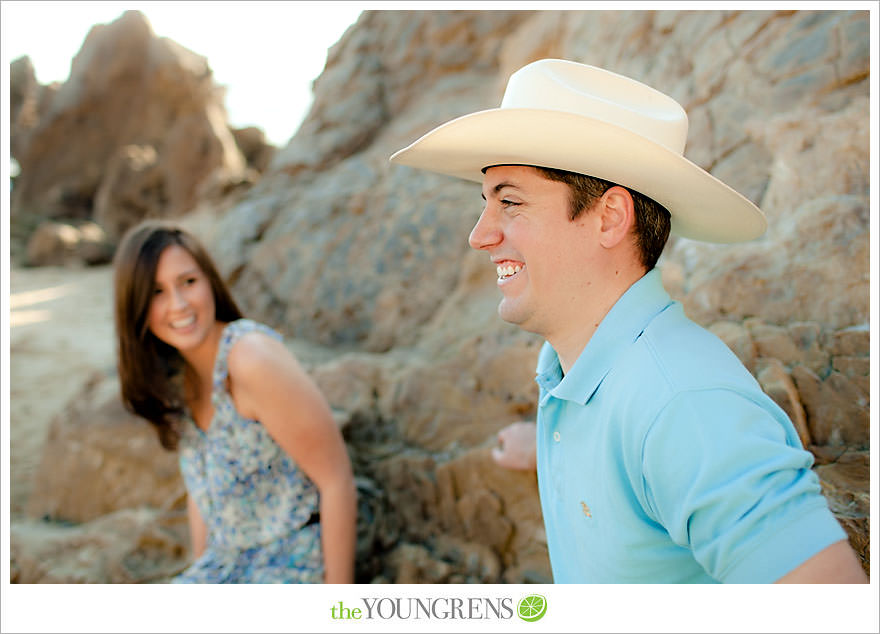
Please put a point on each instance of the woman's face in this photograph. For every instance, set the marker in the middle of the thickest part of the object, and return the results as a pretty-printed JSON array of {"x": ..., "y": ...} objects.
[{"x": 182, "y": 310}]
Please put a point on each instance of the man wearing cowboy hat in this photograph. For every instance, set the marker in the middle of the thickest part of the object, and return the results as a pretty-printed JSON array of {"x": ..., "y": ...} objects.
[{"x": 659, "y": 457}]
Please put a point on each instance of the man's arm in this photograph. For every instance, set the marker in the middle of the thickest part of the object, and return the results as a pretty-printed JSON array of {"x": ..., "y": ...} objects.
[{"x": 835, "y": 564}]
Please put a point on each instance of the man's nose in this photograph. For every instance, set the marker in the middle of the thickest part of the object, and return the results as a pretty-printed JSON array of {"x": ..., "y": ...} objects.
[{"x": 485, "y": 233}]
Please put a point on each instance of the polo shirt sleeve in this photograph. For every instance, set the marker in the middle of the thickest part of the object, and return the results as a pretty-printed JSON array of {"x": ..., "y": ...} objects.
[{"x": 728, "y": 479}]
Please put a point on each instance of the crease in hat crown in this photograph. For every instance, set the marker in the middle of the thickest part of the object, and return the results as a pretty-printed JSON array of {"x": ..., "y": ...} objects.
[
  {"x": 580, "y": 118},
  {"x": 584, "y": 90}
]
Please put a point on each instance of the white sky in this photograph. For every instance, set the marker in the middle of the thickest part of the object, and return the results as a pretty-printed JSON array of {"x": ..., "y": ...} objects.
[{"x": 265, "y": 53}]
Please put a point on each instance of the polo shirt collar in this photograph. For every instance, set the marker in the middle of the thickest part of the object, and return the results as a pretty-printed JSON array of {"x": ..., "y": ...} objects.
[{"x": 623, "y": 324}]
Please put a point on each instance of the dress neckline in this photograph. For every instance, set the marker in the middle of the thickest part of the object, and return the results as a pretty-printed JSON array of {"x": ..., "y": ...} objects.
[{"x": 219, "y": 373}]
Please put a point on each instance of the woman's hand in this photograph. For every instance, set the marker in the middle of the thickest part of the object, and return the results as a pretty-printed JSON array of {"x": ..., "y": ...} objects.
[{"x": 516, "y": 447}]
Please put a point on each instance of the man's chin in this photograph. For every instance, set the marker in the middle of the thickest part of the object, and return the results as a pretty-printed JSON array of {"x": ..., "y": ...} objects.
[{"x": 515, "y": 317}]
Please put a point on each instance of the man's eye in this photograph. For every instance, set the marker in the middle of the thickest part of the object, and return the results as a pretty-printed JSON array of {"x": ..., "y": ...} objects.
[{"x": 509, "y": 203}]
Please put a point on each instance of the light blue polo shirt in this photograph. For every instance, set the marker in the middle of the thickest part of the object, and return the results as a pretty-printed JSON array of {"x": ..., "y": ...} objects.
[{"x": 661, "y": 460}]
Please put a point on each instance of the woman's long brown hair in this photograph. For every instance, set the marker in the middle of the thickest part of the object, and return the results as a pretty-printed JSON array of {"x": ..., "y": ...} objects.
[{"x": 150, "y": 371}]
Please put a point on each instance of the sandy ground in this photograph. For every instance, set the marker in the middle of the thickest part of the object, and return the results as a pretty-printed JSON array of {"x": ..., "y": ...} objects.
[{"x": 61, "y": 333}]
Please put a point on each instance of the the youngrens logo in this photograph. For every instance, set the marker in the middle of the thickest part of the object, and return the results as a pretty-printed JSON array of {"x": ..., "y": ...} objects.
[{"x": 530, "y": 608}]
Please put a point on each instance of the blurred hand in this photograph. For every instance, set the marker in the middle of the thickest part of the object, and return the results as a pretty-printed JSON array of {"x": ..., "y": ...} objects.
[{"x": 516, "y": 447}]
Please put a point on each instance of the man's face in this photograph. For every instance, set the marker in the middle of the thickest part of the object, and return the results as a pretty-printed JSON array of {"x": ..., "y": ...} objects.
[{"x": 543, "y": 258}]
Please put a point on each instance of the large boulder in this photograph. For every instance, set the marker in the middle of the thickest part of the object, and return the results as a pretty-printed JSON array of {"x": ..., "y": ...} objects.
[
  {"x": 68, "y": 243},
  {"x": 335, "y": 245},
  {"x": 139, "y": 545},
  {"x": 126, "y": 87},
  {"x": 257, "y": 151},
  {"x": 107, "y": 504},
  {"x": 98, "y": 459}
]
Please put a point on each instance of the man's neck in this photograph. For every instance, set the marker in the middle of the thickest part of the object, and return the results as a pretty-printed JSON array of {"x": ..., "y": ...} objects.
[{"x": 569, "y": 344}]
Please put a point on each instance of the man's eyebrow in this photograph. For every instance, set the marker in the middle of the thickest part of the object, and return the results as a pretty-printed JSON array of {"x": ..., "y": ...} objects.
[{"x": 499, "y": 187}]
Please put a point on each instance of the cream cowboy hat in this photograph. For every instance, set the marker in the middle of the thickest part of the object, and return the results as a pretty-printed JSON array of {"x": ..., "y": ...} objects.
[{"x": 569, "y": 116}]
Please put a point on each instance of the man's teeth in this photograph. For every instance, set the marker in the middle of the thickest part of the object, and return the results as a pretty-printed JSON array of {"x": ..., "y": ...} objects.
[
  {"x": 183, "y": 323},
  {"x": 508, "y": 270}
]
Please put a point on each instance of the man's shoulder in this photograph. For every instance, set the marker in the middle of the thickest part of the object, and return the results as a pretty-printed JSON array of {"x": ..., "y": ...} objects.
[{"x": 675, "y": 351}]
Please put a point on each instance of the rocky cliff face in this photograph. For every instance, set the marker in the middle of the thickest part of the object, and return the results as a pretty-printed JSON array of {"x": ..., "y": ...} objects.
[
  {"x": 137, "y": 130},
  {"x": 365, "y": 266}
]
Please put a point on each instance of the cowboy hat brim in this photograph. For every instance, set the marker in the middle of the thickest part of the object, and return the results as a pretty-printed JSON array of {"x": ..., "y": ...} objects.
[{"x": 701, "y": 206}]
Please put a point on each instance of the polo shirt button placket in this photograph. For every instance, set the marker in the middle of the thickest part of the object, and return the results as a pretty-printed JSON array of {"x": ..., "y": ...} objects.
[{"x": 558, "y": 479}]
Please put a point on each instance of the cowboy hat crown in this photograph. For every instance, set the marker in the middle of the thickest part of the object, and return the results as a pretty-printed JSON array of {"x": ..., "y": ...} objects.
[{"x": 575, "y": 117}]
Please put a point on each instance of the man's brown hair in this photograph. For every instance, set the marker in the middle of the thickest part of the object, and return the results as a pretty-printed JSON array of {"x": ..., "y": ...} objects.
[{"x": 652, "y": 220}]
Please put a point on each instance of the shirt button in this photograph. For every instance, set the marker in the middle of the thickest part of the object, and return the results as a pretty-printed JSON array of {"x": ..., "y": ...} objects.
[{"x": 556, "y": 436}]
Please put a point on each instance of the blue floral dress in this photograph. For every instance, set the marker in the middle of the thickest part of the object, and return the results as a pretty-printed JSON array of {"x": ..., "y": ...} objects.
[{"x": 259, "y": 507}]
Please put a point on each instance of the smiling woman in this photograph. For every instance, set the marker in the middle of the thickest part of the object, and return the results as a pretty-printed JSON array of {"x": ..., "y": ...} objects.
[
  {"x": 270, "y": 490},
  {"x": 289, "y": 40}
]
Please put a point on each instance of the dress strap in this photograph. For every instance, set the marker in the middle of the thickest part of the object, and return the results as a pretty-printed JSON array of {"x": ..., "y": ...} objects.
[{"x": 231, "y": 333}]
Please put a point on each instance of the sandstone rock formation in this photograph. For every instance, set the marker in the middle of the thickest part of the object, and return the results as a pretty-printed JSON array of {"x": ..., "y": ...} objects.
[
  {"x": 778, "y": 108},
  {"x": 99, "y": 459},
  {"x": 135, "y": 129},
  {"x": 365, "y": 267},
  {"x": 136, "y": 545},
  {"x": 64, "y": 243}
]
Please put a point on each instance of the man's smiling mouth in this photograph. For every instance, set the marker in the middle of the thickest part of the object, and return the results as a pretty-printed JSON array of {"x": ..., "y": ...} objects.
[{"x": 508, "y": 270}]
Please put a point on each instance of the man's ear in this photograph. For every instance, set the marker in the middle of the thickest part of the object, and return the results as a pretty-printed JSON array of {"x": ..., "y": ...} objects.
[{"x": 617, "y": 215}]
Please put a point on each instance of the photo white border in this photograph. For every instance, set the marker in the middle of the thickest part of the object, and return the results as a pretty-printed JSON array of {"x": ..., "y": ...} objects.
[{"x": 574, "y": 608}]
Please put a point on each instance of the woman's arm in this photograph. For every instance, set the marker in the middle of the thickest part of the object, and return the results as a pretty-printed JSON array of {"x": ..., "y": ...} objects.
[
  {"x": 198, "y": 531},
  {"x": 270, "y": 386}
]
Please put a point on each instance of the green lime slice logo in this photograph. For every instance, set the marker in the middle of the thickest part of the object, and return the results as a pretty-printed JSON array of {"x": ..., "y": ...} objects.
[{"x": 532, "y": 607}]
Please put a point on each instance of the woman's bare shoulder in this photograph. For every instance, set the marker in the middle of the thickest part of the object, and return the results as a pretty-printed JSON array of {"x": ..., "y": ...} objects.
[{"x": 258, "y": 353}]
